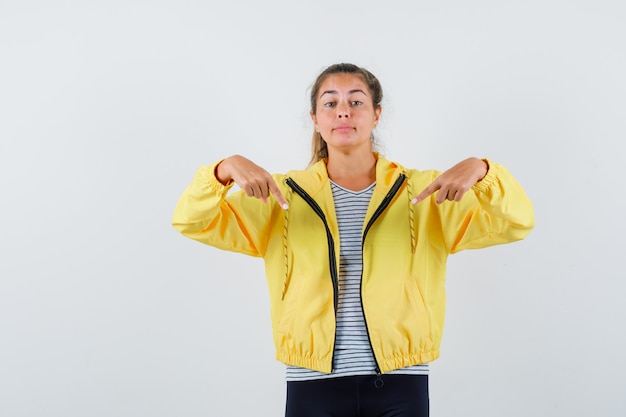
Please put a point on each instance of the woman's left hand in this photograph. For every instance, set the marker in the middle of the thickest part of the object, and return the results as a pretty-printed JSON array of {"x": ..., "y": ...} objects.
[{"x": 456, "y": 181}]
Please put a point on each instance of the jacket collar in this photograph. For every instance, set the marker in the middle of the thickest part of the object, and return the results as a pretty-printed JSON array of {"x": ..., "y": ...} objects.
[
  {"x": 386, "y": 174},
  {"x": 316, "y": 183}
]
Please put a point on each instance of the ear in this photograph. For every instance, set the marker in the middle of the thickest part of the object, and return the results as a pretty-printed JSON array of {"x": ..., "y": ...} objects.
[
  {"x": 377, "y": 111},
  {"x": 314, "y": 119}
]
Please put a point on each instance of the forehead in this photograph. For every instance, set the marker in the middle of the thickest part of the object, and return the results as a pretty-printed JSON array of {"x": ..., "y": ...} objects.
[{"x": 343, "y": 82}]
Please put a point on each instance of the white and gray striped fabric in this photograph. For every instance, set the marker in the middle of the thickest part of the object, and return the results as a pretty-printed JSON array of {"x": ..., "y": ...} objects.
[{"x": 353, "y": 354}]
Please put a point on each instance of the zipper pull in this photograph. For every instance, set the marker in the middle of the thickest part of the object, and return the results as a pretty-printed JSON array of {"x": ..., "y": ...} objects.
[{"x": 379, "y": 379}]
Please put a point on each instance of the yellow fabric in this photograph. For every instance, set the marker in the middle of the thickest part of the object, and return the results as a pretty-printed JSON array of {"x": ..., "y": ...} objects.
[{"x": 404, "y": 254}]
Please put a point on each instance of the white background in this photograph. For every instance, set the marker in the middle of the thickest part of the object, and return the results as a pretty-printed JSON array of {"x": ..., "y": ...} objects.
[{"x": 108, "y": 107}]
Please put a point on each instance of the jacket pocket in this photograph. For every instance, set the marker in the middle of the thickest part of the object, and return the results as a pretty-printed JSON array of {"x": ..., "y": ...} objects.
[
  {"x": 418, "y": 307},
  {"x": 289, "y": 300}
]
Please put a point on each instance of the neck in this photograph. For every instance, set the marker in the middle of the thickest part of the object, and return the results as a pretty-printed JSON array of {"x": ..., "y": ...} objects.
[{"x": 352, "y": 171}]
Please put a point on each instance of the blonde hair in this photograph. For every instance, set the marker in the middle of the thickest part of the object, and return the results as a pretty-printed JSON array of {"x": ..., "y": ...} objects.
[{"x": 319, "y": 149}]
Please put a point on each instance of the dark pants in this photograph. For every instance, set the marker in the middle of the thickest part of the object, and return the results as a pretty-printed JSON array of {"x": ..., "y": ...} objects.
[{"x": 359, "y": 396}]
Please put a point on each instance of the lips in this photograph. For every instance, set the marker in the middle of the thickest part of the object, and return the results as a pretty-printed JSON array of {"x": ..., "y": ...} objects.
[{"x": 343, "y": 128}]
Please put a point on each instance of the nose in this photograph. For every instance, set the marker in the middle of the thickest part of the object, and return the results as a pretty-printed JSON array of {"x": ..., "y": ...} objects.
[{"x": 343, "y": 111}]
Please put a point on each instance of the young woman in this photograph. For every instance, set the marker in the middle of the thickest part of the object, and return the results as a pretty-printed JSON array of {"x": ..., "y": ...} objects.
[{"x": 355, "y": 249}]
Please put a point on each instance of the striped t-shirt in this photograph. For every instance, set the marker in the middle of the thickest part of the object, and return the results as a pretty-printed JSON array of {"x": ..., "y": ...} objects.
[{"x": 353, "y": 353}]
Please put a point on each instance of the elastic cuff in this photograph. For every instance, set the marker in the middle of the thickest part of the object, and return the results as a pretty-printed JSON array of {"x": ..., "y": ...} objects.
[
  {"x": 488, "y": 179},
  {"x": 206, "y": 175}
]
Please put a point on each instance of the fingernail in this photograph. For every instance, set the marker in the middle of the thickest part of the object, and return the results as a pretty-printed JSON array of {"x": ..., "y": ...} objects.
[
  {"x": 285, "y": 206},
  {"x": 414, "y": 201}
]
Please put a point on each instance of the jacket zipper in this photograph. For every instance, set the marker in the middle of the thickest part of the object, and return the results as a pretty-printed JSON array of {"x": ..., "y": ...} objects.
[
  {"x": 381, "y": 208},
  {"x": 331, "y": 248},
  {"x": 331, "y": 253}
]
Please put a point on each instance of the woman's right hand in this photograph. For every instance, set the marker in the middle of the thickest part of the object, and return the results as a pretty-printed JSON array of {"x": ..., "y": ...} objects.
[{"x": 251, "y": 178}]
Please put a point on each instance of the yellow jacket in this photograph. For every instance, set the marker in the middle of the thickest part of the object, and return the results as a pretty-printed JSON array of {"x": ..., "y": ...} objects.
[{"x": 405, "y": 248}]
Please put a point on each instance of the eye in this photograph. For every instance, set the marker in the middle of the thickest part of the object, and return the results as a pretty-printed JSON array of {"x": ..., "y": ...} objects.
[
  {"x": 356, "y": 103},
  {"x": 329, "y": 104}
]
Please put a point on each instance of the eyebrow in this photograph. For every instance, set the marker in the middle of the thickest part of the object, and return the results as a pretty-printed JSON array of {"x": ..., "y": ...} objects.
[{"x": 336, "y": 92}]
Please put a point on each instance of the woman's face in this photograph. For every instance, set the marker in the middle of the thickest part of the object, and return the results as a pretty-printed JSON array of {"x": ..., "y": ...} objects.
[{"x": 345, "y": 114}]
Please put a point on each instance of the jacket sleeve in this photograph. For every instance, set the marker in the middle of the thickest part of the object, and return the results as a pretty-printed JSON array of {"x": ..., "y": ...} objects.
[
  {"x": 496, "y": 210},
  {"x": 235, "y": 222}
]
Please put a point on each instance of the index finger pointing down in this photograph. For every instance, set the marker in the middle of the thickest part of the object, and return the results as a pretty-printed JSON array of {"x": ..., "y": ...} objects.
[
  {"x": 275, "y": 191},
  {"x": 426, "y": 192}
]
